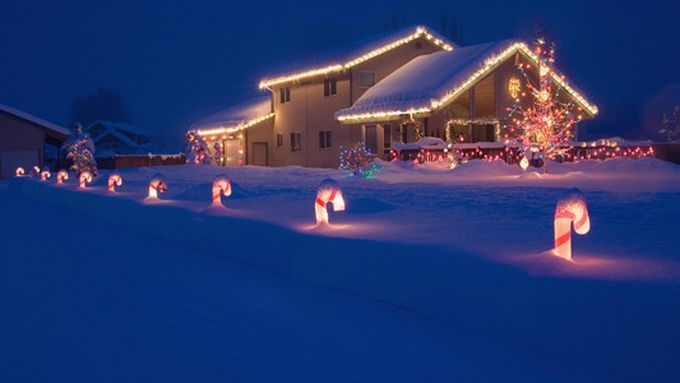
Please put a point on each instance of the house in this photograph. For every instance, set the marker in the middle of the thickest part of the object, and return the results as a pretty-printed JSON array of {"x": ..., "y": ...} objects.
[
  {"x": 23, "y": 138},
  {"x": 112, "y": 138},
  {"x": 380, "y": 93}
]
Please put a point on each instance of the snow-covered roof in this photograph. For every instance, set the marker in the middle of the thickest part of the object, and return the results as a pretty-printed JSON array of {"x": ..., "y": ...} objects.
[
  {"x": 122, "y": 127},
  {"x": 431, "y": 81},
  {"x": 36, "y": 120},
  {"x": 238, "y": 116},
  {"x": 346, "y": 57}
]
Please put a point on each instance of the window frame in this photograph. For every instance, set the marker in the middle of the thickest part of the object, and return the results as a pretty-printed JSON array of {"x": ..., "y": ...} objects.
[
  {"x": 293, "y": 147},
  {"x": 325, "y": 139},
  {"x": 284, "y": 95},
  {"x": 279, "y": 140},
  {"x": 330, "y": 87},
  {"x": 366, "y": 73}
]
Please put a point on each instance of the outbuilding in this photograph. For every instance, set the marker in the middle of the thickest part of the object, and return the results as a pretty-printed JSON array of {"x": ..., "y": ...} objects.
[{"x": 23, "y": 138}]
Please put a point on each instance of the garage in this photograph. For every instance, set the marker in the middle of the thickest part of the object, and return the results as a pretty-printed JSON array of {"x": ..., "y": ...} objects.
[{"x": 23, "y": 138}]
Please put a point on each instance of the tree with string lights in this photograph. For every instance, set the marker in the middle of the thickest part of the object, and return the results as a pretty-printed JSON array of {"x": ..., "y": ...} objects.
[
  {"x": 546, "y": 122},
  {"x": 80, "y": 149},
  {"x": 197, "y": 150}
]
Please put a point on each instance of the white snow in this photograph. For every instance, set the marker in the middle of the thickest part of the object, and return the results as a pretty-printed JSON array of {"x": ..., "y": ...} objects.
[
  {"x": 238, "y": 114},
  {"x": 429, "y": 275}
]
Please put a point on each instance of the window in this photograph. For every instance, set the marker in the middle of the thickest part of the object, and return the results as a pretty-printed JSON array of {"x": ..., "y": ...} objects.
[
  {"x": 285, "y": 94},
  {"x": 330, "y": 87},
  {"x": 366, "y": 79},
  {"x": 279, "y": 140},
  {"x": 295, "y": 142},
  {"x": 324, "y": 139},
  {"x": 387, "y": 137}
]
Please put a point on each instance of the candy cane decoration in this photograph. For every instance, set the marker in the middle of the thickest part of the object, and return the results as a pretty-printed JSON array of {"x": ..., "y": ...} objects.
[
  {"x": 20, "y": 172},
  {"x": 328, "y": 191},
  {"x": 221, "y": 186},
  {"x": 62, "y": 175},
  {"x": 45, "y": 174},
  {"x": 84, "y": 178},
  {"x": 35, "y": 171},
  {"x": 114, "y": 180},
  {"x": 570, "y": 209},
  {"x": 157, "y": 185}
]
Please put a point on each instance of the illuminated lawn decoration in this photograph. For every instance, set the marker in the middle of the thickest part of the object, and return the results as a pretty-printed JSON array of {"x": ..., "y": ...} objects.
[
  {"x": 45, "y": 174},
  {"x": 20, "y": 172},
  {"x": 62, "y": 176},
  {"x": 84, "y": 179},
  {"x": 114, "y": 180},
  {"x": 570, "y": 209},
  {"x": 328, "y": 192},
  {"x": 221, "y": 186},
  {"x": 524, "y": 163},
  {"x": 157, "y": 185},
  {"x": 35, "y": 171}
]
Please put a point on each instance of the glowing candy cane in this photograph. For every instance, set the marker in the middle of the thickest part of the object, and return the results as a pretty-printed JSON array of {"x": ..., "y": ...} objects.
[
  {"x": 114, "y": 180},
  {"x": 571, "y": 208},
  {"x": 62, "y": 175},
  {"x": 157, "y": 185},
  {"x": 45, "y": 174},
  {"x": 328, "y": 191},
  {"x": 20, "y": 171},
  {"x": 220, "y": 186},
  {"x": 35, "y": 171},
  {"x": 84, "y": 178}
]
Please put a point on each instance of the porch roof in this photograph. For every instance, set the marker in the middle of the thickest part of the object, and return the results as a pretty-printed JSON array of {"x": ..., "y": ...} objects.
[
  {"x": 236, "y": 117},
  {"x": 429, "y": 82}
]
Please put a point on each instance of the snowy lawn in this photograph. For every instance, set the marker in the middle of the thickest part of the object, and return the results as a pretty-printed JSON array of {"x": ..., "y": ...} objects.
[{"x": 429, "y": 274}]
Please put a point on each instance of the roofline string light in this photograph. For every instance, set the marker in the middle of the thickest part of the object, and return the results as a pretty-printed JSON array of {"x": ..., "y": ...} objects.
[
  {"x": 420, "y": 31},
  {"x": 227, "y": 130},
  {"x": 489, "y": 65}
]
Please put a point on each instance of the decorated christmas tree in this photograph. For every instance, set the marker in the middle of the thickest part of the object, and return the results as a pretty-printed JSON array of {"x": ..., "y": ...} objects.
[
  {"x": 80, "y": 150},
  {"x": 546, "y": 121},
  {"x": 197, "y": 150}
]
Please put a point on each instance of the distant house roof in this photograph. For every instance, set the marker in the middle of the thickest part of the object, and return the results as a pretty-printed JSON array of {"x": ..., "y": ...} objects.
[
  {"x": 122, "y": 127},
  {"x": 58, "y": 130},
  {"x": 432, "y": 81},
  {"x": 356, "y": 54},
  {"x": 237, "y": 117}
]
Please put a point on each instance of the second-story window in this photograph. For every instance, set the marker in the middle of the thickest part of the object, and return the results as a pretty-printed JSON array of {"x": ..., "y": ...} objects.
[
  {"x": 366, "y": 79},
  {"x": 284, "y": 94},
  {"x": 330, "y": 87}
]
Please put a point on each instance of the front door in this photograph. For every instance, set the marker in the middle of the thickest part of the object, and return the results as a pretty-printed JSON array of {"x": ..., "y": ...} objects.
[{"x": 371, "y": 138}]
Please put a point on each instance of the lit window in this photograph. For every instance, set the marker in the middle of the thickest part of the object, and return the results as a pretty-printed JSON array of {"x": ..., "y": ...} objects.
[
  {"x": 295, "y": 142},
  {"x": 330, "y": 87},
  {"x": 324, "y": 139},
  {"x": 366, "y": 79}
]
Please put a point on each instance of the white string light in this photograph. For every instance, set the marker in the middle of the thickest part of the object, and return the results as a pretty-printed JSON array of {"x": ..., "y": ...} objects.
[
  {"x": 490, "y": 64},
  {"x": 419, "y": 32}
]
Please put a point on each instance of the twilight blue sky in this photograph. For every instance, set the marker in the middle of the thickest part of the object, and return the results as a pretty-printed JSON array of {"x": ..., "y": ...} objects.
[{"x": 175, "y": 61}]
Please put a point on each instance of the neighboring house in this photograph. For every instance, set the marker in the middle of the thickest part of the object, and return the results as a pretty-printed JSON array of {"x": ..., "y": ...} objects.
[
  {"x": 23, "y": 138},
  {"x": 367, "y": 93},
  {"x": 112, "y": 138}
]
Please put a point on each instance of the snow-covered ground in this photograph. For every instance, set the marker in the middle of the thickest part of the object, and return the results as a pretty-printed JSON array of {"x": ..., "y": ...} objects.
[{"x": 429, "y": 275}]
